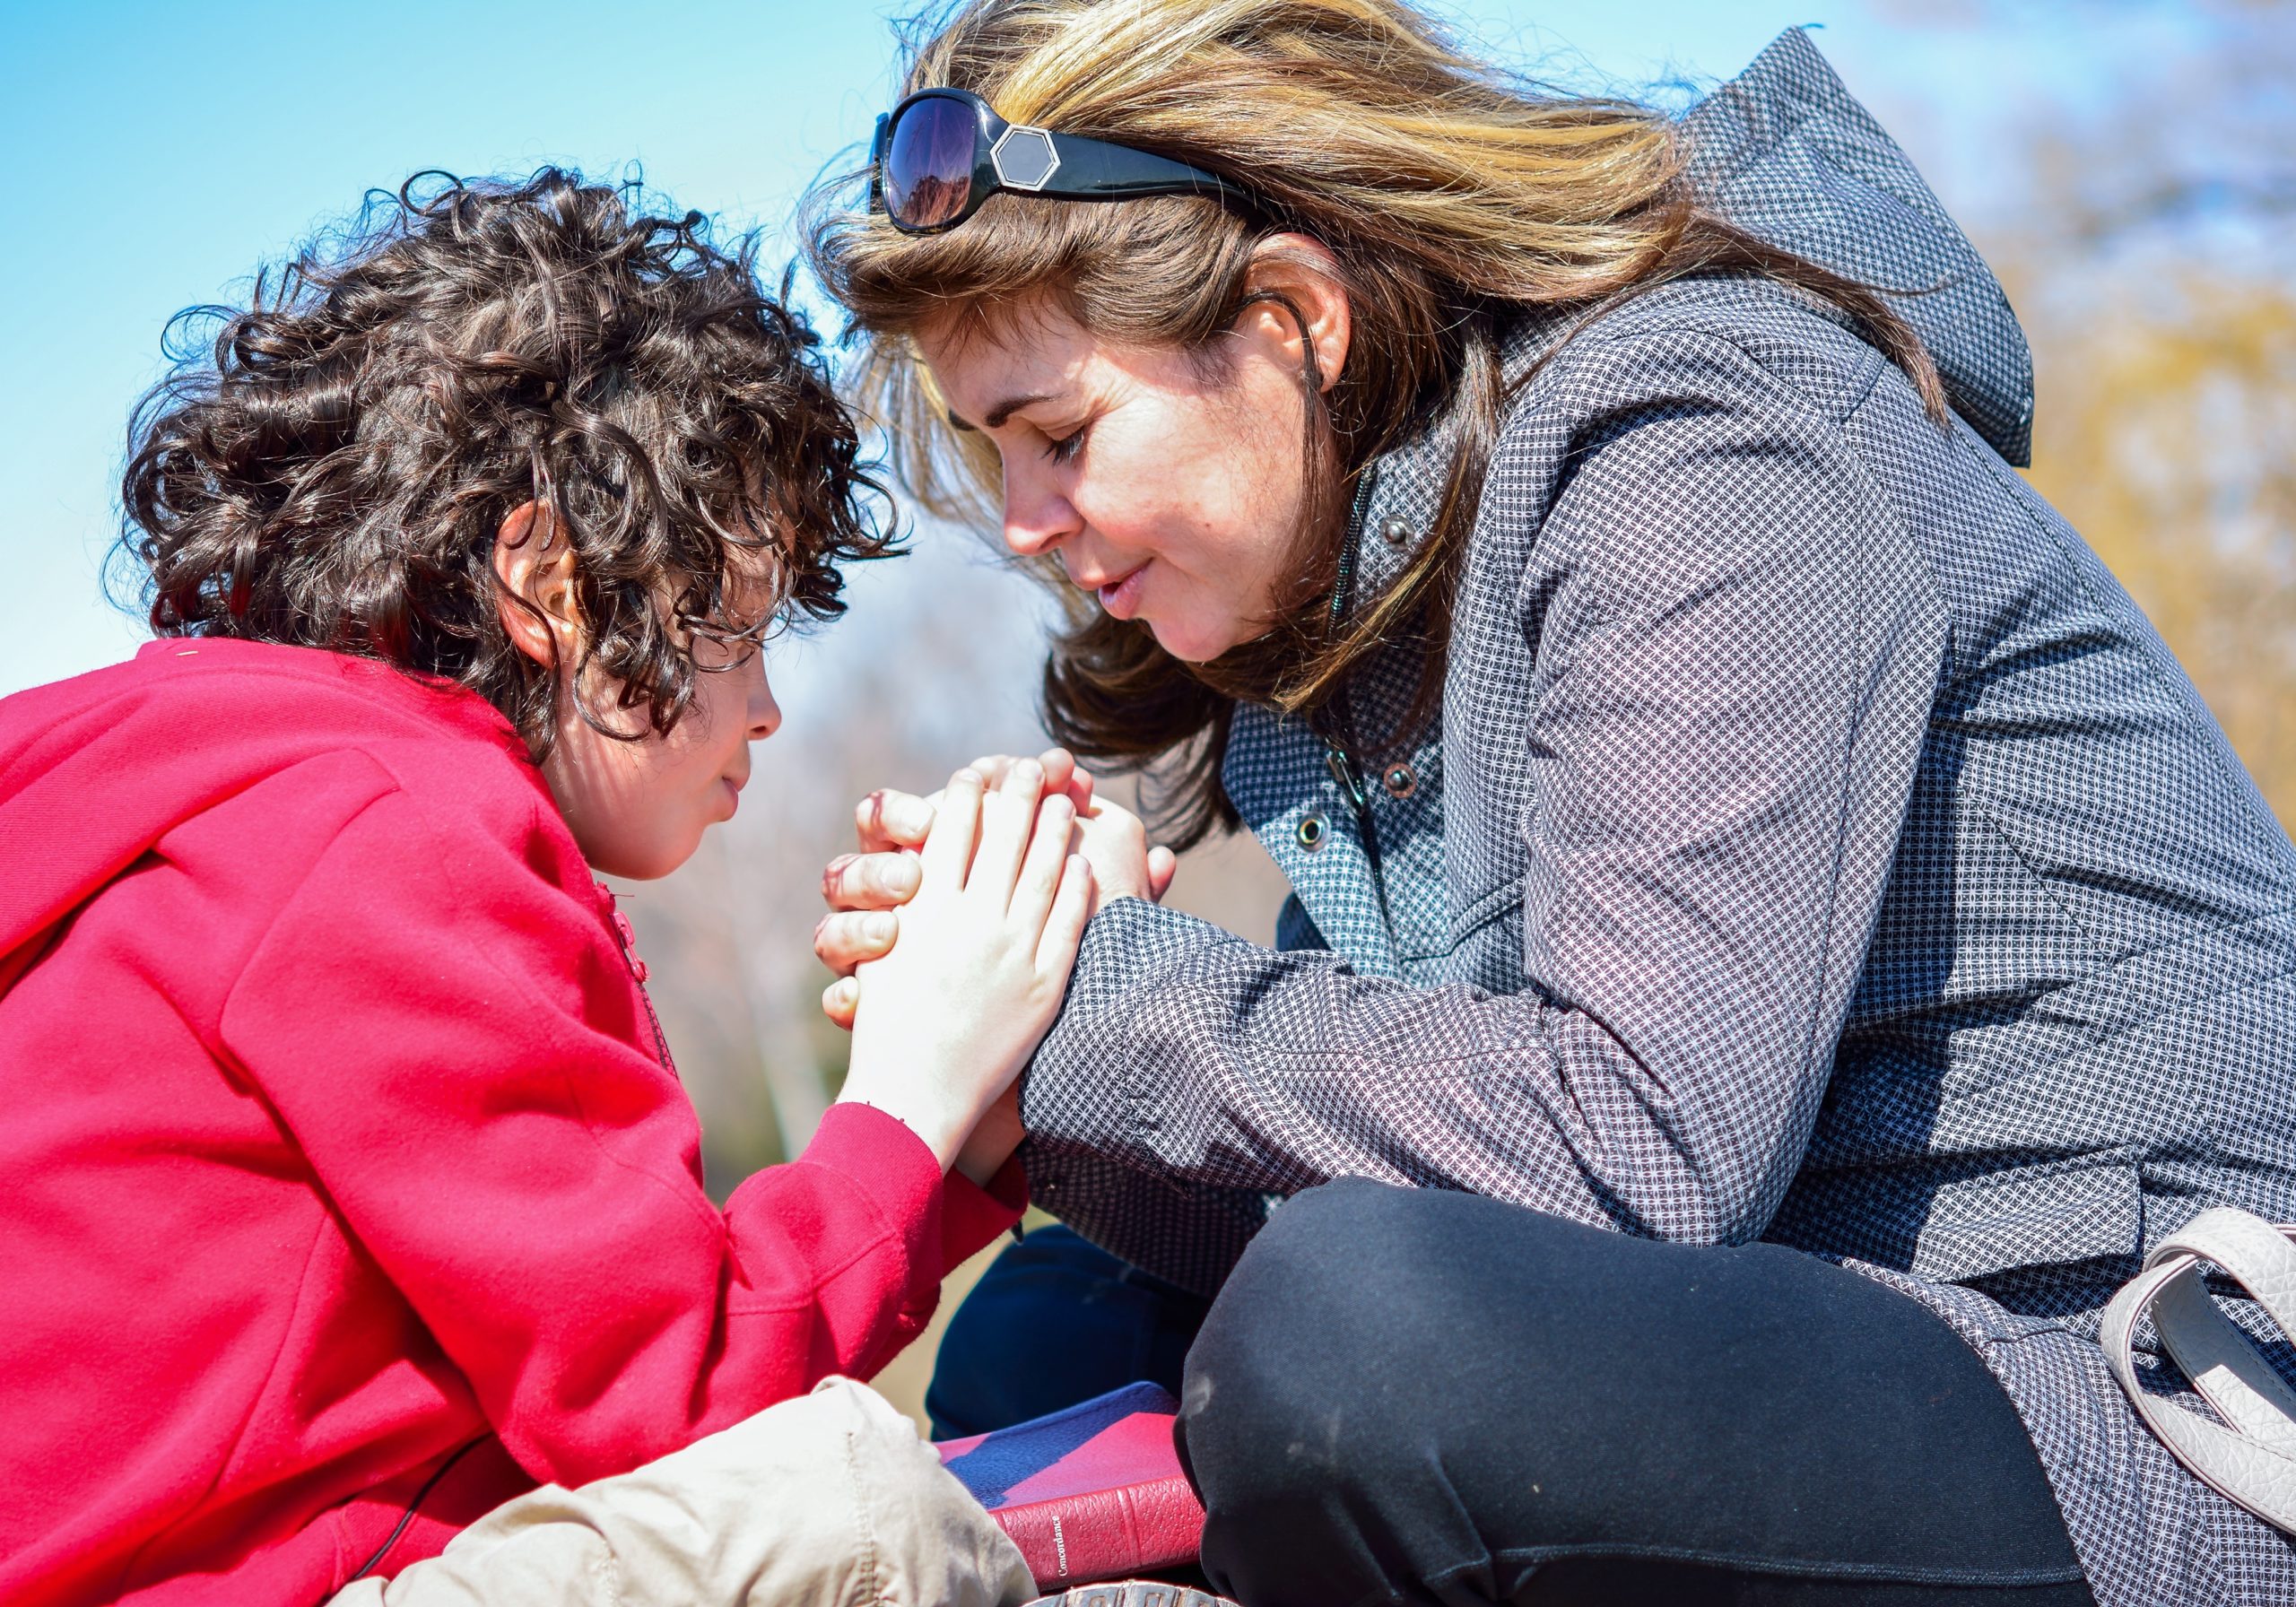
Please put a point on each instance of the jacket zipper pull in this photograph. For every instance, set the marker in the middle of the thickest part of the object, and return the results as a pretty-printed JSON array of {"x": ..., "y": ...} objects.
[
  {"x": 626, "y": 937},
  {"x": 1367, "y": 831},
  {"x": 1335, "y": 759},
  {"x": 1342, "y": 772}
]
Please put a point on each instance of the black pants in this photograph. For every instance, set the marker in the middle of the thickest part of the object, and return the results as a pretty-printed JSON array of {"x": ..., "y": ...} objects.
[{"x": 1430, "y": 1397}]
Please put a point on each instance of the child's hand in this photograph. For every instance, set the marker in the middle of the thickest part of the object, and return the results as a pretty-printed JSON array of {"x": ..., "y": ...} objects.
[
  {"x": 859, "y": 887},
  {"x": 879, "y": 876},
  {"x": 945, "y": 1021}
]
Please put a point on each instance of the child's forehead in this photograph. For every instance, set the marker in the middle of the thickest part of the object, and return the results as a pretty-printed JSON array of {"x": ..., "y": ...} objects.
[{"x": 750, "y": 588}]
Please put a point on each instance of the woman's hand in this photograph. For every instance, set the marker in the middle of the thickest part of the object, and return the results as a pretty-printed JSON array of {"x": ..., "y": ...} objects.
[
  {"x": 862, "y": 888},
  {"x": 946, "y": 1020}
]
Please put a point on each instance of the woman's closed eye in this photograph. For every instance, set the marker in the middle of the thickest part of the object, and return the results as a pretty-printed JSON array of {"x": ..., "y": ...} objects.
[{"x": 1063, "y": 448}]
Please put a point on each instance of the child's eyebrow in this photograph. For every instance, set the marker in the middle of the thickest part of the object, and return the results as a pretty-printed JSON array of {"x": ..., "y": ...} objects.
[{"x": 1000, "y": 412}]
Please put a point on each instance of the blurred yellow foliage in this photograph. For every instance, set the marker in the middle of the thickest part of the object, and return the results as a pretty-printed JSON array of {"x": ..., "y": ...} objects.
[
  {"x": 2166, "y": 432},
  {"x": 2151, "y": 249}
]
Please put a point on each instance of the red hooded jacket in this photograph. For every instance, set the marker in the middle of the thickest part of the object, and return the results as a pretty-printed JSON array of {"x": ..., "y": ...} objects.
[{"x": 337, "y": 1139}]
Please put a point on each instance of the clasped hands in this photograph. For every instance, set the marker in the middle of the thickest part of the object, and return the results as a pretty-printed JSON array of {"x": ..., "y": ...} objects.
[{"x": 865, "y": 889}]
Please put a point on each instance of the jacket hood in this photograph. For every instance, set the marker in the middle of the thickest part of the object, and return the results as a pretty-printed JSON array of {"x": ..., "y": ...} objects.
[
  {"x": 1787, "y": 151},
  {"x": 95, "y": 770}
]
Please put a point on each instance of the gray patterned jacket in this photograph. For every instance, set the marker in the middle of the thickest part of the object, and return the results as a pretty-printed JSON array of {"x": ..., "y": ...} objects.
[{"x": 1816, "y": 845}]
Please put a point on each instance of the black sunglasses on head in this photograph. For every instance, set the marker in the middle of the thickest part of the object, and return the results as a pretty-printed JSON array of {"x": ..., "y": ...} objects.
[{"x": 940, "y": 153}]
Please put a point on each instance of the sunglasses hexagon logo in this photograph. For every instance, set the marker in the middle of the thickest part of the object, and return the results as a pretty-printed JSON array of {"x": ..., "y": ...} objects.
[{"x": 1024, "y": 158}]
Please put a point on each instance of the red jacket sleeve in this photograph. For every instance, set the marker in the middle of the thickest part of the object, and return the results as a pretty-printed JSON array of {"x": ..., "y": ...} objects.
[{"x": 447, "y": 1033}]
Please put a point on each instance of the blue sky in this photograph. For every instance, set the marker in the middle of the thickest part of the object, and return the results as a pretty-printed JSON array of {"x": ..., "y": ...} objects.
[{"x": 159, "y": 152}]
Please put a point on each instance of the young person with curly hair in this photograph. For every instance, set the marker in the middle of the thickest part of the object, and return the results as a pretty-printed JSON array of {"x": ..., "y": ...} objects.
[{"x": 350, "y": 1188}]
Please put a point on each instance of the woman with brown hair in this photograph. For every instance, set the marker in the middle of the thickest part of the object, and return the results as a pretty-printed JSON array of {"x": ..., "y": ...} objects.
[{"x": 1762, "y": 890}]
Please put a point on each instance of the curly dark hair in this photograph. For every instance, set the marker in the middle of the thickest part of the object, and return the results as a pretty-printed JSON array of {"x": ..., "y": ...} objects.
[{"x": 331, "y": 470}]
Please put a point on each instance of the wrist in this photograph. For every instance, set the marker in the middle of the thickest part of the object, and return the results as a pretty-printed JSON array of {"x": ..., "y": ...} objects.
[
  {"x": 987, "y": 1148},
  {"x": 1105, "y": 893},
  {"x": 940, "y": 1130},
  {"x": 979, "y": 1167}
]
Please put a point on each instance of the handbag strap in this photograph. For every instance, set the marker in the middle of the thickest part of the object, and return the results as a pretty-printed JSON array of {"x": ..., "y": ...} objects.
[{"x": 2250, "y": 1458}]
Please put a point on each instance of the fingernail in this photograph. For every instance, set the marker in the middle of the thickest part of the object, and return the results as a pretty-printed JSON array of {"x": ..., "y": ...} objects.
[
  {"x": 1029, "y": 773},
  {"x": 967, "y": 773},
  {"x": 903, "y": 875},
  {"x": 910, "y": 817},
  {"x": 1058, "y": 806},
  {"x": 878, "y": 928}
]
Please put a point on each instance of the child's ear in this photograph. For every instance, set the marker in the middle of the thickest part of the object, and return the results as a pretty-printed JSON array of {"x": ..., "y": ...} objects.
[{"x": 536, "y": 569}]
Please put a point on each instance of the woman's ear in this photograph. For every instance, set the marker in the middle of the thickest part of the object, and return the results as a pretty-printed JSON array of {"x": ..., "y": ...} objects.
[
  {"x": 1295, "y": 274},
  {"x": 536, "y": 569}
]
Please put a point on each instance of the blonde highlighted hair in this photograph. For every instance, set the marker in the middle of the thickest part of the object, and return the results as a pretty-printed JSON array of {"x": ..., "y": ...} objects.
[{"x": 1452, "y": 195}]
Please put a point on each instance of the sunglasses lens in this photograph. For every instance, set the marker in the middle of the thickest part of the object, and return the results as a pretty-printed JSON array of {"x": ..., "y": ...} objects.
[{"x": 927, "y": 170}]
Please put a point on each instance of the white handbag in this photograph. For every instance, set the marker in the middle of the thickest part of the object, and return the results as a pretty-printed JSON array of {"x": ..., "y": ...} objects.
[{"x": 2249, "y": 1458}]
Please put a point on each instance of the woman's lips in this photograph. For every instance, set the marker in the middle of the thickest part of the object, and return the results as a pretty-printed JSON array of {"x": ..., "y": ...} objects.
[{"x": 1120, "y": 599}]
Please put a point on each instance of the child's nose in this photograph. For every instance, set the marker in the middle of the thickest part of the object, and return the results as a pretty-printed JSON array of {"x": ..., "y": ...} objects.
[{"x": 765, "y": 714}]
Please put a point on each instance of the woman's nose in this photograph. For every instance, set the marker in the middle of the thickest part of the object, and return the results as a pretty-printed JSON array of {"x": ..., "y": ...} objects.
[{"x": 1037, "y": 517}]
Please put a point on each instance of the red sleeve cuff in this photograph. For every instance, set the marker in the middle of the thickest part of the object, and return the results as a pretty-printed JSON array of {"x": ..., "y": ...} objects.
[
  {"x": 886, "y": 1161},
  {"x": 972, "y": 1216}
]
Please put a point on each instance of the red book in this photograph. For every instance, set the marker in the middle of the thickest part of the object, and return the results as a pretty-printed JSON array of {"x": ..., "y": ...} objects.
[{"x": 1094, "y": 1492}]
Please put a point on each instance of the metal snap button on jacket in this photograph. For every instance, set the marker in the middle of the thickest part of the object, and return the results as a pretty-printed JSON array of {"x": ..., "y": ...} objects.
[
  {"x": 1396, "y": 533},
  {"x": 1400, "y": 779},
  {"x": 1311, "y": 832}
]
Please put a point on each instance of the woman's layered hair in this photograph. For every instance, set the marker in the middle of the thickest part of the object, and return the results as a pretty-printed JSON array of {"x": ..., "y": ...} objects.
[
  {"x": 1453, "y": 195},
  {"x": 330, "y": 466}
]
